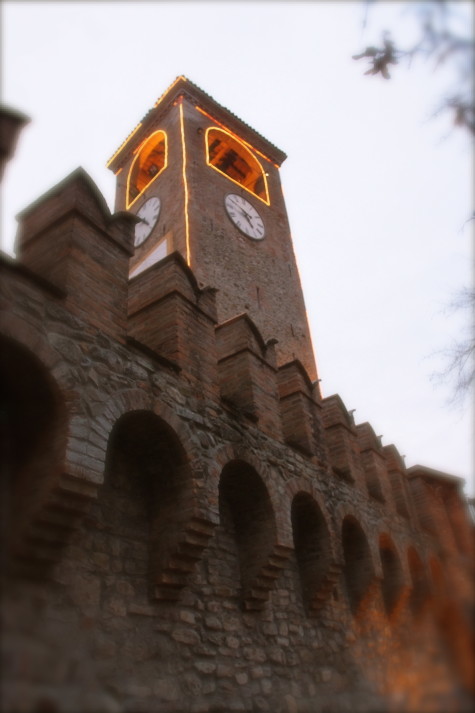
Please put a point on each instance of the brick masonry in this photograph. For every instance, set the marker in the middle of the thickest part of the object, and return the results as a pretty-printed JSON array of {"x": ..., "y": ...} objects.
[{"x": 188, "y": 526}]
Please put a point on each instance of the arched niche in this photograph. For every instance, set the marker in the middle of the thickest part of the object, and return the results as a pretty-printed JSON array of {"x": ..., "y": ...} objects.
[
  {"x": 393, "y": 578},
  {"x": 33, "y": 439},
  {"x": 246, "y": 512},
  {"x": 312, "y": 549},
  {"x": 358, "y": 567},
  {"x": 145, "y": 501}
]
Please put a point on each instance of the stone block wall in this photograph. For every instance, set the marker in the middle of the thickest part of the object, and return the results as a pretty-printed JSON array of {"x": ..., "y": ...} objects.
[{"x": 189, "y": 528}]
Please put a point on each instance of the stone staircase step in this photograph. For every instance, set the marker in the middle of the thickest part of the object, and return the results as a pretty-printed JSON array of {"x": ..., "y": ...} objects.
[{"x": 182, "y": 563}]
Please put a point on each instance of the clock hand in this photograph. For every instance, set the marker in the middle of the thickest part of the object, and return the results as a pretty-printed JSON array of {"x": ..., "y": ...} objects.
[
  {"x": 245, "y": 215},
  {"x": 243, "y": 212},
  {"x": 238, "y": 206}
]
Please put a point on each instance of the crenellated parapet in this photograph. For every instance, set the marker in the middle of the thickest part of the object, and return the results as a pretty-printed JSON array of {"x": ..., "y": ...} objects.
[
  {"x": 190, "y": 504},
  {"x": 397, "y": 476},
  {"x": 70, "y": 238},
  {"x": 301, "y": 411},
  {"x": 441, "y": 508},
  {"x": 341, "y": 440},
  {"x": 373, "y": 462},
  {"x": 247, "y": 372},
  {"x": 11, "y": 123},
  {"x": 169, "y": 314}
]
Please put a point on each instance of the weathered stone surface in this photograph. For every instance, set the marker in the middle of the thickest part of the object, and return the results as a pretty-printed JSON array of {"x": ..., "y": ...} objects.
[{"x": 159, "y": 556}]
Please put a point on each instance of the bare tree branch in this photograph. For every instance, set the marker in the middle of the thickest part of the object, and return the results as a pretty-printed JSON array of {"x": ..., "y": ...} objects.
[
  {"x": 460, "y": 356},
  {"x": 442, "y": 44}
]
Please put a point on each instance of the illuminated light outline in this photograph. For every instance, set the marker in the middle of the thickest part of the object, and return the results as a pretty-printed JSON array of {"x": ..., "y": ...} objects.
[
  {"x": 132, "y": 133},
  {"x": 138, "y": 152},
  {"x": 214, "y": 128},
  {"x": 185, "y": 182},
  {"x": 162, "y": 96},
  {"x": 235, "y": 136}
]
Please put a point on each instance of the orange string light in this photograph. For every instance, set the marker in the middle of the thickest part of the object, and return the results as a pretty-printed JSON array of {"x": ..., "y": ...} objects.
[
  {"x": 185, "y": 182},
  {"x": 242, "y": 141}
]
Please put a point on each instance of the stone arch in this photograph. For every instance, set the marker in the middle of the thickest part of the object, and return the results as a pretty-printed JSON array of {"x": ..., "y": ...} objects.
[
  {"x": 33, "y": 434},
  {"x": 93, "y": 447},
  {"x": 148, "y": 500},
  {"x": 312, "y": 537},
  {"x": 88, "y": 441},
  {"x": 358, "y": 569},
  {"x": 345, "y": 510},
  {"x": 37, "y": 343},
  {"x": 393, "y": 583},
  {"x": 223, "y": 455},
  {"x": 32, "y": 339},
  {"x": 302, "y": 485},
  {"x": 246, "y": 509}
]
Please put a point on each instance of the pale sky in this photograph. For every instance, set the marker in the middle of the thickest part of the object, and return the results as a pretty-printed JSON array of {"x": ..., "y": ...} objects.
[{"x": 378, "y": 192}]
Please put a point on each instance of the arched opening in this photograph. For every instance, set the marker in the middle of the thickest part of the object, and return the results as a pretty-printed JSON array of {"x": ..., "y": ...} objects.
[
  {"x": 144, "y": 502},
  {"x": 150, "y": 161},
  {"x": 32, "y": 438},
  {"x": 312, "y": 547},
  {"x": 420, "y": 590},
  {"x": 358, "y": 568},
  {"x": 246, "y": 509},
  {"x": 392, "y": 574},
  {"x": 232, "y": 158}
]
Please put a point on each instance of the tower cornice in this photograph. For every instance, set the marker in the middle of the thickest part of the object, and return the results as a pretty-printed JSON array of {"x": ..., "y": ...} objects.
[{"x": 183, "y": 87}]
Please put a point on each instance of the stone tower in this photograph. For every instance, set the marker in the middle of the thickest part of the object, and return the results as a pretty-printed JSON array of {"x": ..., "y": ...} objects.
[{"x": 209, "y": 187}]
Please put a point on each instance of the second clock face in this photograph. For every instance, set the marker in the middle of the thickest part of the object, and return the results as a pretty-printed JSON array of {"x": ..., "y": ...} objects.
[
  {"x": 148, "y": 214},
  {"x": 244, "y": 216}
]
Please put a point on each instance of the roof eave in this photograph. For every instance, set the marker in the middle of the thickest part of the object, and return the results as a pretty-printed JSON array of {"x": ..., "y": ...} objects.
[{"x": 183, "y": 87}]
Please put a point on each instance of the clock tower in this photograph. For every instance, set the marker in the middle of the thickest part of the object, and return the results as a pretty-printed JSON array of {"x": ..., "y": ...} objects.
[{"x": 207, "y": 185}]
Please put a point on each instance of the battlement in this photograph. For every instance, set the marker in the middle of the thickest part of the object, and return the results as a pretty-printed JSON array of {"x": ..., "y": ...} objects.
[{"x": 180, "y": 498}]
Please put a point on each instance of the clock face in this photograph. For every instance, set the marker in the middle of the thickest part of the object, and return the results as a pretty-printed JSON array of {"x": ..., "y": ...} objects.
[
  {"x": 244, "y": 216},
  {"x": 148, "y": 214}
]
